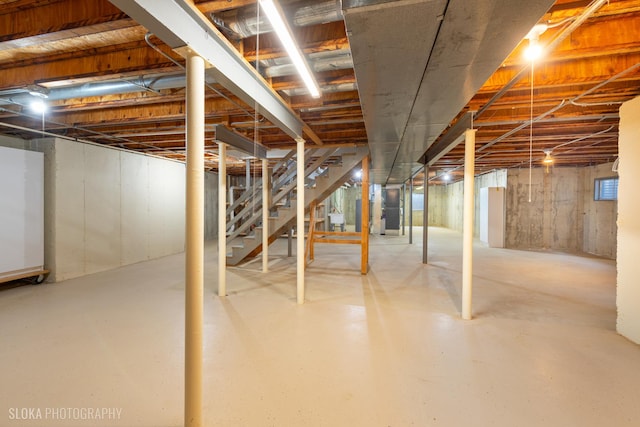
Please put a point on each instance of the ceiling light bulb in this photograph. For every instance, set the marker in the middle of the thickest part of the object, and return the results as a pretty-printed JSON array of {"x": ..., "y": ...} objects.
[
  {"x": 446, "y": 176},
  {"x": 533, "y": 51},
  {"x": 547, "y": 158},
  {"x": 38, "y": 106}
]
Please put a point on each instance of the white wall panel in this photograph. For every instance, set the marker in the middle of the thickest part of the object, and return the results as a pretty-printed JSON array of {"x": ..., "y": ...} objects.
[
  {"x": 21, "y": 211},
  {"x": 134, "y": 208},
  {"x": 105, "y": 208},
  {"x": 166, "y": 207},
  {"x": 69, "y": 210},
  {"x": 102, "y": 209}
]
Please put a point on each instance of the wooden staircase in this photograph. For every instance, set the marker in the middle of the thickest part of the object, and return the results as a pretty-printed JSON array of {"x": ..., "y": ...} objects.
[{"x": 326, "y": 171}]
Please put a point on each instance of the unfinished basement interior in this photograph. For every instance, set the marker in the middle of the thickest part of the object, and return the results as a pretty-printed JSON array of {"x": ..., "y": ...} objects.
[{"x": 319, "y": 212}]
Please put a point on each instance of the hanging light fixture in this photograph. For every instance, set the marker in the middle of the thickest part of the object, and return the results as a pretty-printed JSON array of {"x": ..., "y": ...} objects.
[
  {"x": 284, "y": 34},
  {"x": 534, "y": 51},
  {"x": 548, "y": 160}
]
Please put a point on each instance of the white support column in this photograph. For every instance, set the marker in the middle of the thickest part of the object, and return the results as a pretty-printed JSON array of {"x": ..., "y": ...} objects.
[
  {"x": 467, "y": 245},
  {"x": 411, "y": 210},
  {"x": 300, "y": 222},
  {"x": 265, "y": 215},
  {"x": 194, "y": 242},
  {"x": 425, "y": 217},
  {"x": 222, "y": 219}
]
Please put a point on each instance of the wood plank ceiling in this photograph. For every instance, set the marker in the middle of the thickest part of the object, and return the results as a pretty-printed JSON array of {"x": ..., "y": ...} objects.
[{"x": 78, "y": 46}]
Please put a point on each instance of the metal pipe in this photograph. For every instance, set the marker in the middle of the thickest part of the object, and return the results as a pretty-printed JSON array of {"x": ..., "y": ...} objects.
[
  {"x": 247, "y": 22},
  {"x": 265, "y": 215},
  {"x": 404, "y": 205},
  {"x": 411, "y": 210},
  {"x": 425, "y": 217},
  {"x": 194, "y": 253},
  {"x": 467, "y": 244},
  {"x": 247, "y": 174},
  {"x": 222, "y": 219},
  {"x": 559, "y": 106},
  {"x": 300, "y": 222}
]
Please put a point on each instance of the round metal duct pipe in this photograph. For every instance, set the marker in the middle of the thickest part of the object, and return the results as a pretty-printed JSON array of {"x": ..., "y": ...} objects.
[{"x": 243, "y": 23}]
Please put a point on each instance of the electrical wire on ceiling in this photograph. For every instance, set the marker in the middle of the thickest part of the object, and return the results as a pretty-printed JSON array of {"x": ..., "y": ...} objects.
[
  {"x": 572, "y": 24},
  {"x": 582, "y": 138},
  {"x": 531, "y": 133}
]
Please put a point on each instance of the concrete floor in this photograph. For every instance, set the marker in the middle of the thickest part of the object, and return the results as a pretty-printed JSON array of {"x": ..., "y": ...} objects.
[{"x": 386, "y": 349}]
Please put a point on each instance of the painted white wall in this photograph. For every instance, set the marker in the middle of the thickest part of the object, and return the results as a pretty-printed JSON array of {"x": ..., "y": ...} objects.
[
  {"x": 114, "y": 208},
  {"x": 105, "y": 208},
  {"x": 492, "y": 216},
  {"x": 21, "y": 211},
  {"x": 628, "y": 292}
]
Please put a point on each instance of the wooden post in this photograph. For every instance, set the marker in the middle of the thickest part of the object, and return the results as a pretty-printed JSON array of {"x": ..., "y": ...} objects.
[
  {"x": 312, "y": 226},
  {"x": 364, "y": 263}
]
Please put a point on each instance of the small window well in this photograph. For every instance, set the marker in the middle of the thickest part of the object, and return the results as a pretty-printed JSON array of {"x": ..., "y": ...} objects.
[{"x": 606, "y": 189}]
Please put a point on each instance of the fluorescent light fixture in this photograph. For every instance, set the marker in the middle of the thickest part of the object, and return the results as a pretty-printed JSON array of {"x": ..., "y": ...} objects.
[
  {"x": 283, "y": 32},
  {"x": 38, "y": 106}
]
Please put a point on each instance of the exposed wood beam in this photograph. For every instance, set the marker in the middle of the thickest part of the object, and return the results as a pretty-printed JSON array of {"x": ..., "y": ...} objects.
[
  {"x": 51, "y": 17},
  {"x": 104, "y": 62}
]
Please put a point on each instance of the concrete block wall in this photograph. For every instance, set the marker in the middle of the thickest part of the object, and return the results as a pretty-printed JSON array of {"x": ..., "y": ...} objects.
[{"x": 105, "y": 208}]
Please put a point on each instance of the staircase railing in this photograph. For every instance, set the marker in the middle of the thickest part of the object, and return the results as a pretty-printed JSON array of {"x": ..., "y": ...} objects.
[{"x": 283, "y": 188}]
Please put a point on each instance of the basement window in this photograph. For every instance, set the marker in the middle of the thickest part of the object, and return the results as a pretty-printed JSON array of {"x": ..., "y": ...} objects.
[{"x": 606, "y": 189}]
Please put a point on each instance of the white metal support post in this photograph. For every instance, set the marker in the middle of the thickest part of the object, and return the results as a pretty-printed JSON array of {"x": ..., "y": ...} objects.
[
  {"x": 265, "y": 215},
  {"x": 411, "y": 210},
  {"x": 467, "y": 245},
  {"x": 222, "y": 219},
  {"x": 425, "y": 217},
  {"x": 300, "y": 221},
  {"x": 194, "y": 242}
]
